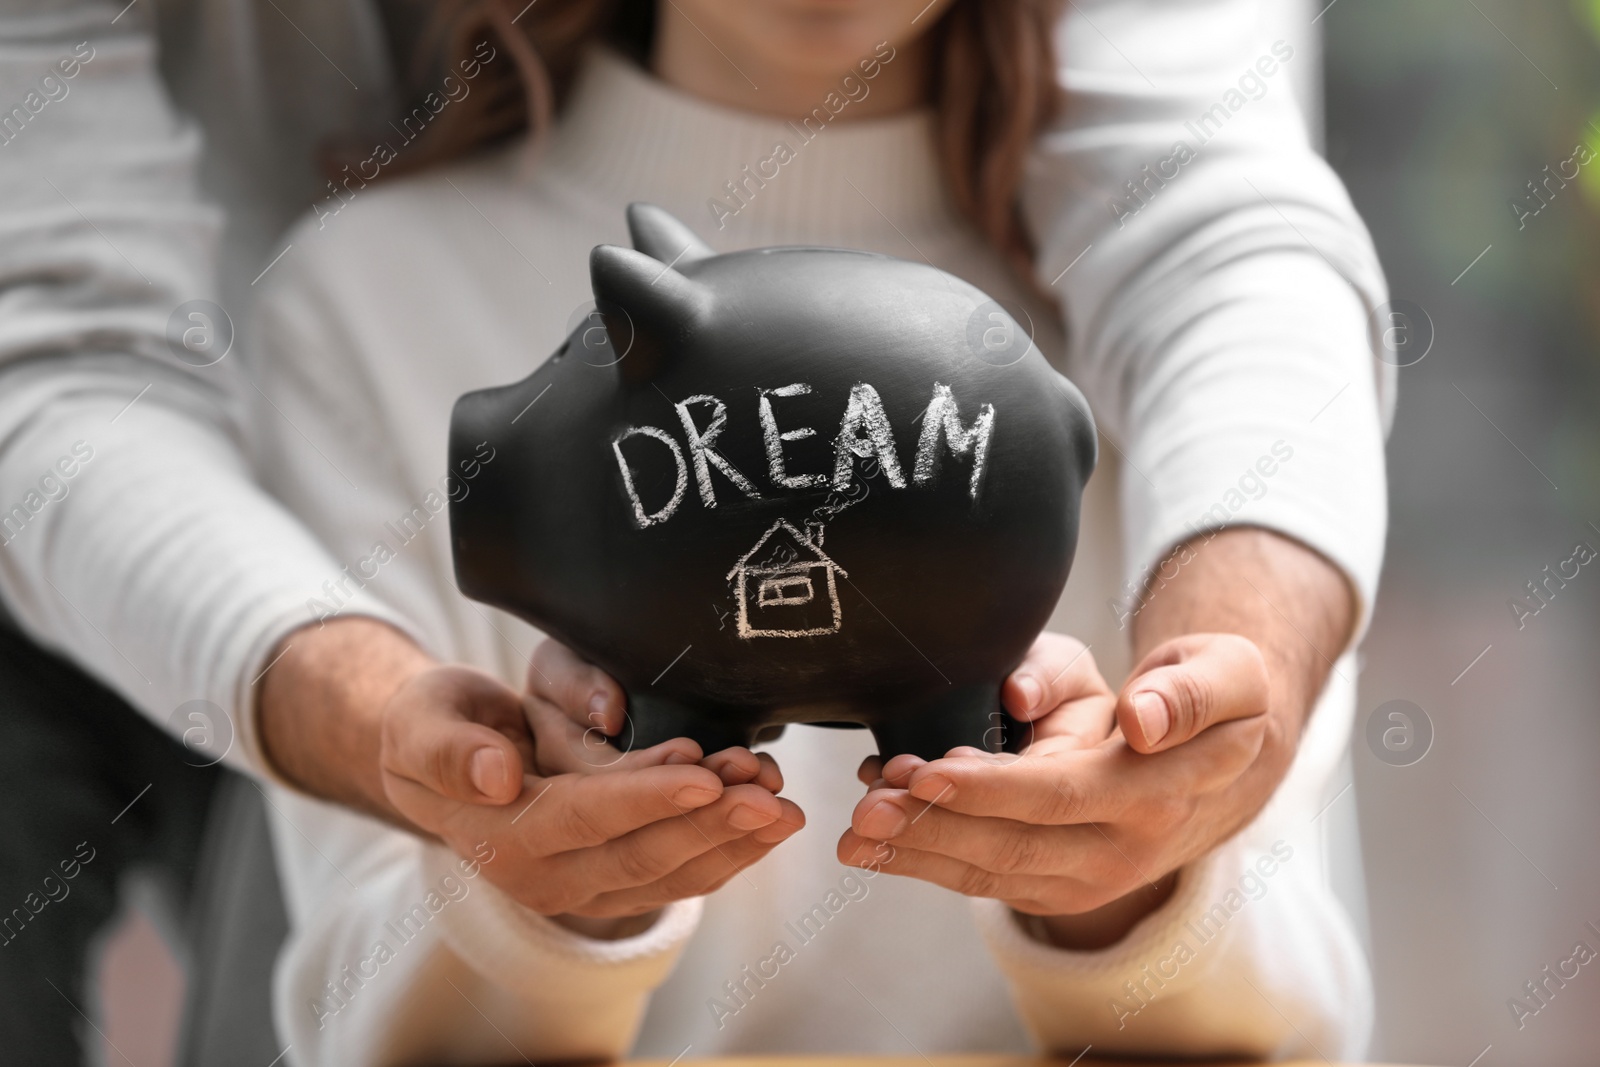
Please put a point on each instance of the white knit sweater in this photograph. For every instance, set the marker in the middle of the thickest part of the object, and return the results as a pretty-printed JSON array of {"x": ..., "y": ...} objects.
[
  {"x": 415, "y": 292},
  {"x": 1217, "y": 317}
]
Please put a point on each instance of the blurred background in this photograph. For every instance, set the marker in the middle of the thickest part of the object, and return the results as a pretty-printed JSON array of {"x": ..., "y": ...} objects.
[
  {"x": 1457, "y": 125},
  {"x": 1482, "y": 859}
]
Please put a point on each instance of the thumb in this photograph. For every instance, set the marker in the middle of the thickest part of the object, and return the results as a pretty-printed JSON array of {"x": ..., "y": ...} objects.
[
  {"x": 435, "y": 734},
  {"x": 1189, "y": 683}
]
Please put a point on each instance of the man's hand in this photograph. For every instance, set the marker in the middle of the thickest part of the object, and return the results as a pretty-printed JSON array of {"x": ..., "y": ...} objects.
[
  {"x": 571, "y": 837},
  {"x": 357, "y": 714},
  {"x": 1075, "y": 822},
  {"x": 1087, "y": 832}
]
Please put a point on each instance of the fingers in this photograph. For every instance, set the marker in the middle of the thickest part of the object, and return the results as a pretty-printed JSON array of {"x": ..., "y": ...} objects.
[
  {"x": 944, "y": 871},
  {"x": 1107, "y": 783},
  {"x": 440, "y": 732},
  {"x": 737, "y": 766},
  {"x": 1002, "y": 846},
  {"x": 573, "y": 811},
  {"x": 1077, "y": 724},
  {"x": 899, "y": 769},
  {"x": 1057, "y": 670},
  {"x": 593, "y": 707},
  {"x": 703, "y": 874},
  {"x": 586, "y": 694},
  {"x": 1070, "y": 787},
  {"x": 655, "y": 852},
  {"x": 1189, "y": 684},
  {"x": 1057, "y": 686},
  {"x": 769, "y": 775},
  {"x": 1030, "y": 893},
  {"x": 870, "y": 771},
  {"x": 565, "y": 746}
]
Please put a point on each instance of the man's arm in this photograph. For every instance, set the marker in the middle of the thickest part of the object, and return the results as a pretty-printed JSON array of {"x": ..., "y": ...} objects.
[
  {"x": 321, "y": 710},
  {"x": 1126, "y": 906},
  {"x": 135, "y": 539},
  {"x": 1086, "y": 835},
  {"x": 354, "y": 713},
  {"x": 1219, "y": 291},
  {"x": 592, "y": 869},
  {"x": 1297, "y": 609}
]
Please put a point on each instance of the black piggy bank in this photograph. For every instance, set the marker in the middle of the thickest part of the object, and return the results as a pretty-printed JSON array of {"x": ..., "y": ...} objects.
[{"x": 781, "y": 485}]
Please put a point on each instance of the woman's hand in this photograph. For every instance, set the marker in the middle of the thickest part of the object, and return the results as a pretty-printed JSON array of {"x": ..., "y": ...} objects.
[
  {"x": 1087, "y": 814},
  {"x": 578, "y": 834},
  {"x": 592, "y": 702}
]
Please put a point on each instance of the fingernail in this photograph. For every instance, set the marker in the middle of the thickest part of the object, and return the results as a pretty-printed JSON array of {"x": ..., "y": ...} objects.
[
  {"x": 933, "y": 789},
  {"x": 1032, "y": 691},
  {"x": 694, "y": 796},
  {"x": 745, "y": 817},
  {"x": 487, "y": 770},
  {"x": 597, "y": 708},
  {"x": 886, "y": 820},
  {"x": 1150, "y": 708}
]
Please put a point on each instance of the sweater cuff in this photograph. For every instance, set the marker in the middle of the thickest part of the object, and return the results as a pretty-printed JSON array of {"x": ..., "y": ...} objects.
[
  {"x": 519, "y": 950},
  {"x": 1043, "y": 973}
]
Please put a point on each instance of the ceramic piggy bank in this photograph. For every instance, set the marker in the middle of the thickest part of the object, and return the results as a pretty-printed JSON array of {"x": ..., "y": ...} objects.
[{"x": 786, "y": 485}]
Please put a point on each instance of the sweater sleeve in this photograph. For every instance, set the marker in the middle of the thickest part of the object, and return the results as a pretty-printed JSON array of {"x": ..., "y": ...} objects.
[
  {"x": 1221, "y": 316},
  {"x": 135, "y": 540},
  {"x": 1253, "y": 957},
  {"x": 491, "y": 981},
  {"x": 405, "y": 953},
  {"x": 1219, "y": 291}
]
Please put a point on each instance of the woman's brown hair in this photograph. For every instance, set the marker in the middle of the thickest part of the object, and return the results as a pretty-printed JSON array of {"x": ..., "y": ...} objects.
[{"x": 993, "y": 87}]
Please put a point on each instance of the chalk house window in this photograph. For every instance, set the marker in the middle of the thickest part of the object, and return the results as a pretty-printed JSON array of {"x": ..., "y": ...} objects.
[{"x": 792, "y": 589}]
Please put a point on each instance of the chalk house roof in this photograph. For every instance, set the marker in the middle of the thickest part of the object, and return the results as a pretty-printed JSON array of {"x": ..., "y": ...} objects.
[{"x": 782, "y": 547}]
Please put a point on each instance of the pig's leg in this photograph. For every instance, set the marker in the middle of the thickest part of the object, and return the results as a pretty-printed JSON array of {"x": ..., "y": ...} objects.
[
  {"x": 956, "y": 716},
  {"x": 653, "y": 719}
]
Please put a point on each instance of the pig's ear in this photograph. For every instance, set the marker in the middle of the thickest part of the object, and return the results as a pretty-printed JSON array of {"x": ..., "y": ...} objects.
[
  {"x": 658, "y": 234},
  {"x": 649, "y": 309}
]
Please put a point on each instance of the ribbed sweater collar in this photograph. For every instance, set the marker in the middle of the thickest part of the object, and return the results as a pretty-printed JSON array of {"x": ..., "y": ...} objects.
[{"x": 625, "y": 135}]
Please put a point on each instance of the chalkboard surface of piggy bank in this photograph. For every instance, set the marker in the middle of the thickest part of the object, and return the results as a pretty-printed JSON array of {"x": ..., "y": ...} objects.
[{"x": 781, "y": 485}]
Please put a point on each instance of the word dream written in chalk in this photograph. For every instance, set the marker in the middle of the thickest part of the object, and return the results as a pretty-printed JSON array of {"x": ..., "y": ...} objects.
[{"x": 864, "y": 435}]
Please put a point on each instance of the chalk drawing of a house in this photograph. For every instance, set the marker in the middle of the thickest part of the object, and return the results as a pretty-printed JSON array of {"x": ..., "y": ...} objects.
[{"x": 781, "y": 582}]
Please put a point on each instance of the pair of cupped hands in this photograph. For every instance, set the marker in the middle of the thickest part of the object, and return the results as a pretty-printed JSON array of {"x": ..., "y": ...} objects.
[{"x": 1114, "y": 792}]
